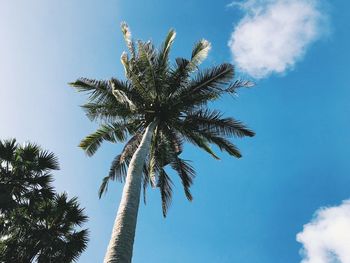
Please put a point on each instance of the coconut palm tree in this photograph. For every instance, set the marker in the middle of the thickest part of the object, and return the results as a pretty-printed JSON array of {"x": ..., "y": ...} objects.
[
  {"x": 155, "y": 110},
  {"x": 36, "y": 224}
]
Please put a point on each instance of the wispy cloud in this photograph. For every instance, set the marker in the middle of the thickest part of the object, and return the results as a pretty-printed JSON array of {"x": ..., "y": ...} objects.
[
  {"x": 274, "y": 34},
  {"x": 326, "y": 239}
]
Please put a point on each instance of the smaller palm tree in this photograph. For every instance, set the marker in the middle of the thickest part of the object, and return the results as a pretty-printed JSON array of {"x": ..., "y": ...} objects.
[
  {"x": 46, "y": 232},
  {"x": 36, "y": 224}
]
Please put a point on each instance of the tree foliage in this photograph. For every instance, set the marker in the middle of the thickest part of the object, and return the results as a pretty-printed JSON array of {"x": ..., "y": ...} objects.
[{"x": 36, "y": 223}]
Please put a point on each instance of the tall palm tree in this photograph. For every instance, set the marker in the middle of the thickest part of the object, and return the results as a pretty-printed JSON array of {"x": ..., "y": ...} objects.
[
  {"x": 36, "y": 224},
  {"x": 155, "y": 110}
]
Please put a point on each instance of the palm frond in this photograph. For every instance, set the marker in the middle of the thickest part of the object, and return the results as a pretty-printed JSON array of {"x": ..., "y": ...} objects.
[
  {"x": 222, "y": 143},
  {"x": 163, "y": 55},
  {"x": 118, "y": 169},
  {"x": 47, "y": 161},
  {"x": 76, "y": 244},
  {"x": 127, "y": 88},
  {"x": 152, "y": 157},
  {"x": 130, "y": 147},
  {"x": 104, "y": 186},
  {"x": 184, "y": 67},
  {"x": 212, "y": 121},
  {"x": 186, "y": 173},
  {"x": 199, "y": 141},
  {"x": 212, "y": 79},
  {"x": 208, "y": 85},
  {"x": 121, "y": 96},
  {"x": 124, "y": 59},
  {"x": 240, "y": 84},
  {"x": 145, "y": 182},
  {"x": 165, "y": 187},
  {"x": 28, "y": 152},
  {"x": 176, "y": 140},
  {"x": 179, "y": 76},
  {"x": 128, "y": 38},
  {"x": 7, "y": 149},
  {"x": 108, "y": 112},
  {"x": 98, "y": 90},
  {"x": 199, "y": 53},
  {"x": 136, "y": 77},
  {"x": 107, "y": 132},
  {"x": 147, "y": 59}
]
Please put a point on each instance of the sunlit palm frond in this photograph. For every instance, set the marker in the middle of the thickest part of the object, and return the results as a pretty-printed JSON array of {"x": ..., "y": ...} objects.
[
  {"x": 199, "y": 53},
  {"x": 237, "y": 84},
  {"x": 163, "y": 56},
  {"x": 128, "y": 38}
]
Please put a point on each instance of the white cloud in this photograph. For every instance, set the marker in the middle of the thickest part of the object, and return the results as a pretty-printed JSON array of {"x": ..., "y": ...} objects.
[
  {"x": 274, "y": 34},
  {"x": 326, "y": 239}
]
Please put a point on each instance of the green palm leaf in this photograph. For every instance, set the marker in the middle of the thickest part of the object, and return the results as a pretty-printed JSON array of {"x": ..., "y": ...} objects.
[
  {"x": 107, "y": 132},
  {"x": 212, "y": 121},
  {"x": 165, "y": 186}
]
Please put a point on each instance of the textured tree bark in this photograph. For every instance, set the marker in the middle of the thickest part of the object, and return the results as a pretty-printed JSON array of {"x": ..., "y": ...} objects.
[{"x": 122, "y": 240}]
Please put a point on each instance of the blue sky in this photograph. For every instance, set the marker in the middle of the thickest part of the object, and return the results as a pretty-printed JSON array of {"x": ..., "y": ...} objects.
[{"x": 248, "y": 210}]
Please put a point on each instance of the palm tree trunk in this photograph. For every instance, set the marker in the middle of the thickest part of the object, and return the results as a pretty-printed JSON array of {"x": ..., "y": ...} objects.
[{"x": 120, "y": 246}]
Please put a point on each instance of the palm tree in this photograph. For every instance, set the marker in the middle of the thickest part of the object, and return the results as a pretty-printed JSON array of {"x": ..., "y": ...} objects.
[
  {"x": 155, "y": 110},
  {"x": 36, "y": 224},
  {"x": 46, "y": 232}
]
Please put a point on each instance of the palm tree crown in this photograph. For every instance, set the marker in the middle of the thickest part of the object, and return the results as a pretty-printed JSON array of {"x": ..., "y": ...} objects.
[{"x": 173, "y": 97}]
